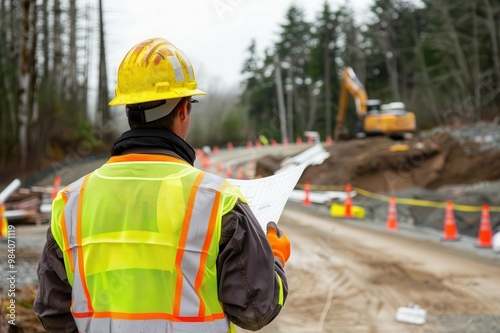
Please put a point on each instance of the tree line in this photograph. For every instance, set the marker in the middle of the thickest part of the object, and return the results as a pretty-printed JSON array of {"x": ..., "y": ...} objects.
[
  {"x": 439, "y": 57},
  {"x": 45, "y": 56}
]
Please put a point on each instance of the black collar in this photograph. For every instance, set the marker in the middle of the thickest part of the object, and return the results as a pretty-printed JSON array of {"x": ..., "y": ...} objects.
[{"x": 156, "y": 139}]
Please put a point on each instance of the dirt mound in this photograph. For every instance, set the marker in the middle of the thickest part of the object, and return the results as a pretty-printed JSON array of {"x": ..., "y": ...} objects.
[{"x": 380, "y": 164}]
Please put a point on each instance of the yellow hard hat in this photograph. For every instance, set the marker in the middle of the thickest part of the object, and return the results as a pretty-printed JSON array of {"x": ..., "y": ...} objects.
[{"x": 154, "y": 70}]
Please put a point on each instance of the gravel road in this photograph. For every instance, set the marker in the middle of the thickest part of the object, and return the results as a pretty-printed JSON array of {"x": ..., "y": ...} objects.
[{"x": 346, "y": 278}]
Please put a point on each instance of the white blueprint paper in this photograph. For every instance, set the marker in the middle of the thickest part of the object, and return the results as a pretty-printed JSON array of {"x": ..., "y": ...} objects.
[{"x": 267, "y": 196}]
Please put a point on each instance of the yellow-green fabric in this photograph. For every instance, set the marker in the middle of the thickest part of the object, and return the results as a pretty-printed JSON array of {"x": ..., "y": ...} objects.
[{"x": 133, "y": 217}]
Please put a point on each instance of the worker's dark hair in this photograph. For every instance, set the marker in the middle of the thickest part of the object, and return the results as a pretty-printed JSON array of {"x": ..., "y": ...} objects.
[{"x": 163, "y": 122}]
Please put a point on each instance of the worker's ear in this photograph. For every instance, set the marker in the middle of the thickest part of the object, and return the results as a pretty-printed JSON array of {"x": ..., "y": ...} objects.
[{"x": 184, "y": 110}]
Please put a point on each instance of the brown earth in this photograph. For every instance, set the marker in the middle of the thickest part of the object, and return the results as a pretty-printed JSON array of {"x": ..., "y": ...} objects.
[{"x": 430, "y": 162}]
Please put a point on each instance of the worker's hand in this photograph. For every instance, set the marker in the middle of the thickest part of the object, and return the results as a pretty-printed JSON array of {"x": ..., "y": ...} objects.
[{"x": 279, "y": 242}]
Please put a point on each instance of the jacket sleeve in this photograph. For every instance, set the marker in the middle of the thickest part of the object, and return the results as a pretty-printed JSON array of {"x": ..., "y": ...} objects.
[
  {"x": 252, "y": 283},
  {"x": 53, "y": 299}
]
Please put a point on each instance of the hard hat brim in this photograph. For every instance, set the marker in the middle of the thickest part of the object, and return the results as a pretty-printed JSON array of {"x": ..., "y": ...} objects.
[{"x": 146, "y": 97}]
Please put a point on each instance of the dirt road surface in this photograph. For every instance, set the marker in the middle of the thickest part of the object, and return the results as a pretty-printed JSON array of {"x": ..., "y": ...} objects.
[{"x": 344, "y": 278}]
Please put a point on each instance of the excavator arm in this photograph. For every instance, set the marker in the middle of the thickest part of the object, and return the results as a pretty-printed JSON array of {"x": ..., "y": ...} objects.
[{"x": 350, "y": 84}]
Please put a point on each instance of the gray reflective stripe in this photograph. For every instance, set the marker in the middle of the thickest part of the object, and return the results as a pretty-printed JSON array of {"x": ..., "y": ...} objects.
[
  {"x": 70, "y": 214},
  {"x": 71, "y": 210},
  {"x": 198, "y": 228},
  {"x": 108, "y": 325}
]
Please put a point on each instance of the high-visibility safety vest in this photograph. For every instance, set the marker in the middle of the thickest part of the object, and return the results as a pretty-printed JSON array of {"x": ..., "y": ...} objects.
[{"x": 140, "y": 239}]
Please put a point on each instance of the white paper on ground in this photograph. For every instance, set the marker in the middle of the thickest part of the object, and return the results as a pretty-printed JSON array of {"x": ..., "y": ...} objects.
[
  {"x": 411, "y": 314},
  {"x": 268, "y": 196}
]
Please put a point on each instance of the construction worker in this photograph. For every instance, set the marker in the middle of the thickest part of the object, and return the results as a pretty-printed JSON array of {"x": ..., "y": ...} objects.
[{"x": 147, "y": 242}]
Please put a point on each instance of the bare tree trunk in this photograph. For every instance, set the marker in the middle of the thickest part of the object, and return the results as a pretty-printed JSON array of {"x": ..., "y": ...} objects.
[
  {"x": 103, "y": 95},
  {"x": 327, "y": 86},
  {"x": 11, "y": 59},
  {"x": 289, "y": 102},
  {"x": 458, "y": 53},
  {"x": 87, "y": 60},
  {"x": 392, "y": 70},
  {"x": 281, "y": 102},
  {"x": 494, "y": 35},
  {"x": 57, "y": 66},
  {"x": 476, "y": 70},
  {"x": 25, "y": 79},
  {"x": 311, "y": 117},
  {"x": 46, "y": 38},
  {"x": 73, "y": 73},
  {"x": 425, "y": 74}
]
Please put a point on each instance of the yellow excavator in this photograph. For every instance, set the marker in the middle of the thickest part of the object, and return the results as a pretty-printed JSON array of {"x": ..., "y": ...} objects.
[{"x": 375, "y": 119}]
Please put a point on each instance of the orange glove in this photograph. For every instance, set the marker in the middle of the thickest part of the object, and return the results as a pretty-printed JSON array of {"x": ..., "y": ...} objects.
[{"x": 279, "y": 242}]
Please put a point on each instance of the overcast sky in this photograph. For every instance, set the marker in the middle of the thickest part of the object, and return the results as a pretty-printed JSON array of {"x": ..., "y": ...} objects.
[{"x": 213, "y": 33}]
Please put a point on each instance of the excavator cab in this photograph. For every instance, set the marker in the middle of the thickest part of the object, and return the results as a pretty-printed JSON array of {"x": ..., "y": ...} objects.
[{"x": 392, "y": 120}]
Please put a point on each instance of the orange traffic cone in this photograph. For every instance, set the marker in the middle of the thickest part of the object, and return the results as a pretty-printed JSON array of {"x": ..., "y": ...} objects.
[
  {"x": 392, "y": 215},
  {"x": 205, "y": 162},
  {"x": 450, "y": 228},
  {"x": 229, "y": 171},
  {"x": 57, "y": 183},
  {"x": 328, "y": 140},
  {"x": 229, "y": 145},
  {"x": 216, "y": 150},
  {"x": 3, "y": 222},
  {"x": 239, "y": 173},
  {"x": 307, "y": 191},
  {"x": 285, "y": 142},
  {"x": 219, "y": 167},
  {"x": 249, "y": 144},
  {"x": 299, "y": 141},
  {"x": 485, "y": 236},
  {"x": 348, "y": 202},
  {"x": 273, "y": 143}
]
